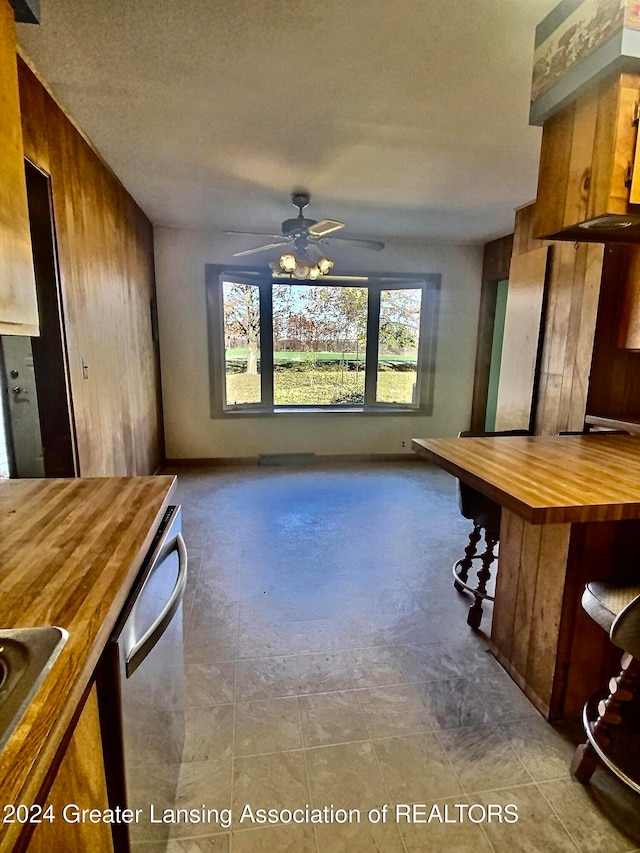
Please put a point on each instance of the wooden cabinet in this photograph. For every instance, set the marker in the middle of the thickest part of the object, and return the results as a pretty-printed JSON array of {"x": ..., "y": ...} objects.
[
  {"x": 614, "y": 382},
  {"x": 586, "y": 182},
  {"x": 79, "y": 784},
  {"x": 18, "y": 304},
  {"x": 629, "y": 318}
]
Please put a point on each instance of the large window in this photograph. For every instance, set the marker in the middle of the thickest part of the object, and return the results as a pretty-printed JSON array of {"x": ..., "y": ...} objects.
[{"x": 359, "y": 343}]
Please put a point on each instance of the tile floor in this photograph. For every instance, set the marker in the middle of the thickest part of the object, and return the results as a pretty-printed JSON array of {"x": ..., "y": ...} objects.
[{"x": 328, "y": 662}]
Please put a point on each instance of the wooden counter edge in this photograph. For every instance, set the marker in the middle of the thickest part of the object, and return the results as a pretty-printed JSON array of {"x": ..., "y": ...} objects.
[
  {"x": 554, "y": 513},
  {"x": 534, "y": 515},
  {"x": 43, "y": 770}
]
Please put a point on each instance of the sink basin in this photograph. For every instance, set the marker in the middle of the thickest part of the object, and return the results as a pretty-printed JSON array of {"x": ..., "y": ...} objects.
[{"x": 26, "y": 656}]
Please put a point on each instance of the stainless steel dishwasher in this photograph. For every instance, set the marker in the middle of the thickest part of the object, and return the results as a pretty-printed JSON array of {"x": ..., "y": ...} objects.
[{"x": 140, "y": 682}]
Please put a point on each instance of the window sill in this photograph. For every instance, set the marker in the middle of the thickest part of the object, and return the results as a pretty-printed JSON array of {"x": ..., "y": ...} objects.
[{"x": 323, "y": 410}]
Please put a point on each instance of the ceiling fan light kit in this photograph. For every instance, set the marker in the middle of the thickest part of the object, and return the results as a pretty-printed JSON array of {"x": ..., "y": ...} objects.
[
  {"x": 295, "y": 267},
  {"x": 305, "y": 234}
]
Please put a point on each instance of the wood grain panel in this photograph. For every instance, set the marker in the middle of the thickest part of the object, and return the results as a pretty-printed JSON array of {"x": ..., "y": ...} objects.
[
  {"x": 70, "y": 551},
  {"x": 528, "y": 562},
  {"x": 579, "y": 177},
  {"x": 523, "y": 239},
  {"x": 555, "y": 156},
  {"x": 525, "y": 627},
  {"x": 18, "y": 305},
  {"x": 588, "y": 285},
  {"x": 542, "y": 671},
  {"x": 80, "y": 780},
  {"x": 521, "y": 339},
  {"x": 604, "y": 154},
  {"x": 573, "y": 290},
  {"x": 504, "y": 607},
  {"x": 628, "y": 326},
  {"x": 105, "y": 249},
  {"x": 614, "y": 390},
  {"x": 560, "y": 307}
]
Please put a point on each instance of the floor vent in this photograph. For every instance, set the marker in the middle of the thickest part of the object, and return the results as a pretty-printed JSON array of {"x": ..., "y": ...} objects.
[{"x": 287, "y": 459}]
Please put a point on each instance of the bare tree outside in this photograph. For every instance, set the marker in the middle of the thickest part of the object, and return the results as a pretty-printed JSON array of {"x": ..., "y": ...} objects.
[
  {"x": 241, "y": 341},
  {"x": 320, "y": 344},
  {"x": 319, "y": 332},
  {"x": 398, "y": 341}
]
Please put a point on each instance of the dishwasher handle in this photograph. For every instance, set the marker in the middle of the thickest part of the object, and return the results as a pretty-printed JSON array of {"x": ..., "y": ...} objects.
[{"x": 148, "y": 640}]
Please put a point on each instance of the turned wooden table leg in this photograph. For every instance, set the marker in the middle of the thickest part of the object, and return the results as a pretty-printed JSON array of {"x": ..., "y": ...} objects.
[
  {"x": 464, "y": 566},
  {"x": 622, "y": 689},
  {"x": 484, "y": 574}
]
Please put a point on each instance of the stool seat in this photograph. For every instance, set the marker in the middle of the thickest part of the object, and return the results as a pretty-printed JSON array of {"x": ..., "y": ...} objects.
[
  {"x": 479, "y": 508},
  {"x": 608, "y": 605},
  {"x": 617, "y": 610}
]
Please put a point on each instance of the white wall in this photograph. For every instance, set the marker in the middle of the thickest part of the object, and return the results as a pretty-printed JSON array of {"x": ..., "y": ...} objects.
[{"x": 190, "y": 432}]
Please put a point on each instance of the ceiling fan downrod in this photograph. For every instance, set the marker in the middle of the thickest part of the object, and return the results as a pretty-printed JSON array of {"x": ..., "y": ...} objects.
[{"x": 300, "y": 225}]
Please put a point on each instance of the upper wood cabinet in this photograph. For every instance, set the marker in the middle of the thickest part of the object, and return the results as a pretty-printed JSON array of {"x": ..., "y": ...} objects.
[
  {"x": 18, "y": 303},
  {"x": 586, "y": 177}
]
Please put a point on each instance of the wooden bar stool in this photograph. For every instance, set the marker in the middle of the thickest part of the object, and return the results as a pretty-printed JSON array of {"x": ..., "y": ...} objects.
[
  {"x": 617, "y": 610},
  {"x": 485, "y": 515}
]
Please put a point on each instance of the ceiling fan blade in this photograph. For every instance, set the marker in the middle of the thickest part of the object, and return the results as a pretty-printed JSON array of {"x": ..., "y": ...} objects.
[
  {"x": 376, "y": 245},
  {"x": 256, "y": 234},
  {"x": 260, "y": 249},
  {"x": 324, "y": 227}
]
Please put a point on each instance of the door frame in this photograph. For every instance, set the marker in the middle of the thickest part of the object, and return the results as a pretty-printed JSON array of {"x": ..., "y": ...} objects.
[{"x": 50, "y": 349}]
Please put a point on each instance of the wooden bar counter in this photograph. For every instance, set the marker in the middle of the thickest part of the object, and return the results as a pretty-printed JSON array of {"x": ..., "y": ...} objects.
[{"x": 571, "y": 513}]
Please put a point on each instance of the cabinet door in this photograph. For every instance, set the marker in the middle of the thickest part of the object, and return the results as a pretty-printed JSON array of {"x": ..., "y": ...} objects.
[
  {"x": 18, "y": 304},
  {"x": 588, "y": 150},
  {"x": 80, "y": 780}
]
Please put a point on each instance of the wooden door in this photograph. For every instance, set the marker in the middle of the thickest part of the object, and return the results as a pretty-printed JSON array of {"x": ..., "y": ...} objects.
[{"x": 23, "y": 414}]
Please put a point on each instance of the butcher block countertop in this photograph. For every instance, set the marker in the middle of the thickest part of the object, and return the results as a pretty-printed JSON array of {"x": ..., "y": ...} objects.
[
  {"x": 70, "y": 551},
  {"x": 547, "y": 479}
]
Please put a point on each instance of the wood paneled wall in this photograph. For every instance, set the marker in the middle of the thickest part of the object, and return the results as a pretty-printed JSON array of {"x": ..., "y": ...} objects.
[
  {"x": 105, "y": 249},
  {"x": 569, "y": 327},
  {"x": 521, "y": 339},
  {"x": 615, "y": 376}
]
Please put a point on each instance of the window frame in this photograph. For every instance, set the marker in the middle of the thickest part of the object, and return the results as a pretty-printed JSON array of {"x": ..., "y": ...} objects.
[{"x": 375, "y": 283}]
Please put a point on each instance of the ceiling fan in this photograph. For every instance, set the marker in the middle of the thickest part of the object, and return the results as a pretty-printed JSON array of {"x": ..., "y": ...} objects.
[{"x": 305, "y": 234}]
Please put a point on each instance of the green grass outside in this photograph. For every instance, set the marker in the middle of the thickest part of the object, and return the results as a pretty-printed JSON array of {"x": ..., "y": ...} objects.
[
  {"x": 320, "y": 388},
  {"x": 285, "y": 355}
]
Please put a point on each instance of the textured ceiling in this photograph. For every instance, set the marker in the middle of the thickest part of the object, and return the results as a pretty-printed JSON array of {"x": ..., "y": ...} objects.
[{"x": 403, "y": 118}]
